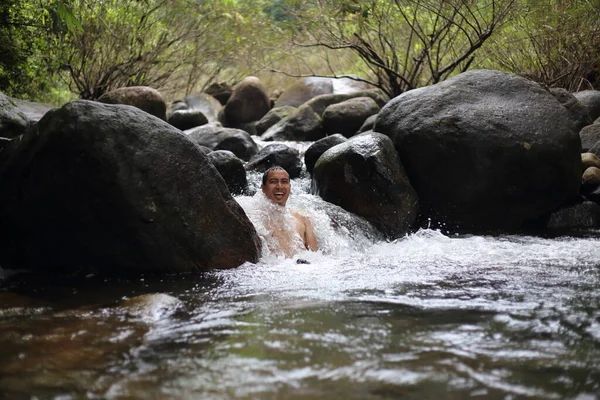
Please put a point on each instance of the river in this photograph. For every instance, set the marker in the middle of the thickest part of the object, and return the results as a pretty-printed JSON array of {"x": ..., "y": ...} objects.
[{"x": 427, "y": 316}]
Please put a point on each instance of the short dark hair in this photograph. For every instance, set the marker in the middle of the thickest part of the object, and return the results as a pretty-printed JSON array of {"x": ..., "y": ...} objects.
[{"x": 273, "y": 168}]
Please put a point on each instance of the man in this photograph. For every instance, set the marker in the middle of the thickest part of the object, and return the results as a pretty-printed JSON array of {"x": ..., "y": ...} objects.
[{"x": 276, "y": 187}]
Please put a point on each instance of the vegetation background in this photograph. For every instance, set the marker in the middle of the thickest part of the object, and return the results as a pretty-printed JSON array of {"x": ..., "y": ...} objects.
[{"x": 57, "y": 50}]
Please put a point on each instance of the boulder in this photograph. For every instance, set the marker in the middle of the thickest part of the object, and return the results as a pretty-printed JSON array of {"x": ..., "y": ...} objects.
[
  {"x": 320, "y": 103},
  {"x": 272, "y": 117},
  {"x": 187, "y": 119},
  {"x": 364, "y": 176},
  {"x": 368, "y": 124},
  {"x": 485, "y": 150},
  {"x": 348, "y": 116},
  {"x": 570, "y": 102},
  {"x": 220, "y": 91},
  {"x": 215, "y": 137},
  {"x": 302, "y": 125},
  {"x": 303, "y": 90},
  {"x": 208, "y": 105},
  {"x": 143, "y": 97},
  {"x": 590, "y": 139},
  {"x": 590, "y": 99},
  {"x": 591, "y": 176},
  {"x": 231, "y": 169},
  {"x": 319, "y": 147},
  {"x": 248, "y": 102},
  {"x": 178, "y": 105},
  {"x": 4, "y": 142},
  {"x": 104, "y": 188},
  {"x": 584, "y": 215},
  {"x": 589, "y": 160},
  {"x": 13, "y": 121},
  {"x": 591, "y": 192},
  {"x": 277, "y": 154}
]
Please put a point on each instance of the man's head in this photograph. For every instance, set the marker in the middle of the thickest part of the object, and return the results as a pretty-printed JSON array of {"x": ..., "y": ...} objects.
[{"x": 276, "y": 185}]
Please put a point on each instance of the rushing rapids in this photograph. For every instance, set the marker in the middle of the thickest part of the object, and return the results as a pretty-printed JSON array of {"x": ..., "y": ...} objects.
[{"x": 426, "y": 316}]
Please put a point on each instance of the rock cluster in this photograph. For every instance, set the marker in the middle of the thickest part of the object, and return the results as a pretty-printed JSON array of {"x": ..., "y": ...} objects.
[{"x": 130, "y": 187}]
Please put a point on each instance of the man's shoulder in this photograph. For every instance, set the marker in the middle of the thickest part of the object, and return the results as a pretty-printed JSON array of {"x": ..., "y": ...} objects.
[{"x": 298, "y": 214}]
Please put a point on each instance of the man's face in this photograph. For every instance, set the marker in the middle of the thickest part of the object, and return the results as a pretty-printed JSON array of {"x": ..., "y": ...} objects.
[{"x": 277, "y": 188}]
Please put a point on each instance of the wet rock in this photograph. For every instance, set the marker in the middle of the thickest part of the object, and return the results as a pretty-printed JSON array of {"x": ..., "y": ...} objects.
[
  {"x": 348, "y": 116},
  {"x": 178, "y": 105},
  {"x": 13, "y": 121},
  {"x": 220, "y": 91},
  {"x": 320, "y": 103},
  {"x": 248, "y": 102},
  {"x": 231, "y": 169},
  {"x": 302, "y": 125},
  {"x": 3, "y": 142},
  {"x": 368, "y": 124},
  {"x": 319, "y": 147},
  {"x": 215, "y": 137},
  {"x": 272, "y": 117},
  {"x": 591, "y": 176},
  {"x": 143, "y": 97},
  {"x": 365, "y": 176},
  {"x": 570, "y": 102},
  {"x": 590, "y": 99},
  {"x": 485, "y": 150},
  {"x": 591, "y": 192},
  {"x": 151, "y": 307},
  {"x": 208, "y": 105},
  {"x": 187, "y": 119},
  {"x": 277, "y": 154},
  {"x": 584, "y": 215},
  {"x": 109, "y": 188},
  {"x": 590, "y": 139},
  {"x": 589, "y": 160}
]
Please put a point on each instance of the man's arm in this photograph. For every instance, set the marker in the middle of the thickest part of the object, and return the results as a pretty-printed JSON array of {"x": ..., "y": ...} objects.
[{"x": 310, "y": 240}]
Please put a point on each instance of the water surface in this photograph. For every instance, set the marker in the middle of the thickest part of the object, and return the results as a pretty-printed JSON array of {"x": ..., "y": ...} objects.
[{"x": 427, "y": 316}]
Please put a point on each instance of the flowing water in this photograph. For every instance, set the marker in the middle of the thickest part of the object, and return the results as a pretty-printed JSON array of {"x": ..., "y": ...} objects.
[{"x": 428, "y": 316}]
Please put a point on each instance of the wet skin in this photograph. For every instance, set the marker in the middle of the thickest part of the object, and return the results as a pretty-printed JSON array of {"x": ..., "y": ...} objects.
[{"x": 277, "y": 189}]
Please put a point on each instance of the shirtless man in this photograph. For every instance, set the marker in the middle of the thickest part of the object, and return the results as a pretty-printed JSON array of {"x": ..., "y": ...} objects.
[{"x": 276, "y": 187}]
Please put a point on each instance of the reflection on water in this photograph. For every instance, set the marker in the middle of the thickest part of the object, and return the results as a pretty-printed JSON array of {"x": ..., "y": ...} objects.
[{"x": 428, "y": 316}]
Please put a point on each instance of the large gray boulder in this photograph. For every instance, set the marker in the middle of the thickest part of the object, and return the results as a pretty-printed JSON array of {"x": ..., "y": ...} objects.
[
  {"x": 277, "y": 154},
  {"x": 216, "y": 137},
  {"x": 312, "y": 154},
  {"x": 348, "y": 116},
  {"x": 302, "y": 125},
  {"x": 365, "y": 176},
  {"x": 208, "y": 105},
  {"x": 105, "y": 188},
  {"x": 187, "y": 119},
  {"x": 485, "y": 150},
  {"x": 577, "y": 110},
  {"x": 143, "y": 97},
  {"x": 320, "y": 103},
  {"x": 580, "y": 216},
  {"x": 590, "y": 138},
  {"x": 231, "y": 169},
  {"x": 13, "y": 121},
  {"x": 248, "y": 102},
  {"x": 272, "y": 117},
  {"x": 590, "y": 99}
]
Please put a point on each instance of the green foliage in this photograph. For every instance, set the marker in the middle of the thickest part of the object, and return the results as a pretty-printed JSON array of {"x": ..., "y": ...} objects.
[
  {"x": 554, "y": 42},
  {"x": 51, "y": 47}
]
